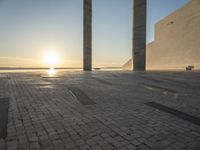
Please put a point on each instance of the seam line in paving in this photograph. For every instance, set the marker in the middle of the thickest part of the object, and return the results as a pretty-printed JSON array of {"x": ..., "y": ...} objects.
[
  {"x": 81, "y": 96},
  {"x": 159, "y": 88},
  {"x": 179, "y": 114},
  {"x": 4, "y": 104},
  {"x": 102, "y": 81}
]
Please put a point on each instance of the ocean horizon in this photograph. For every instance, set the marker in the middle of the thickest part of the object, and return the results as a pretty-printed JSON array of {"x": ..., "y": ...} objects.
[{"x": 21, "y": 69}]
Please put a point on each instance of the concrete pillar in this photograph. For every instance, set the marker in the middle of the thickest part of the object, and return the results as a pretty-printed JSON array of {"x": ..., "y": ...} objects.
[
  {"x": 139, "y": 34},
  {"x": 87, "y": 35}
]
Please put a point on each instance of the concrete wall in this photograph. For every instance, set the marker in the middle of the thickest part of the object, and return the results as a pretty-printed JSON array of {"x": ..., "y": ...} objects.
[
  {"x": 177, "y": 40},
  {"x": 128, "y": 65},
  {"x": 87, "y": 35},
  {"x": 139, "y": 34}
]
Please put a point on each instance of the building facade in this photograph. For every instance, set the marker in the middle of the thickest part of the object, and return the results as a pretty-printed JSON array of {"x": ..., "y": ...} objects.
[{"x": 177, "y": 40}]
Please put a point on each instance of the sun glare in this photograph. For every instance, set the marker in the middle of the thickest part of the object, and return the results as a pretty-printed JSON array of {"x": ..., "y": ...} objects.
[
  {"x": 51, "y": 58},
  {"x": 51, "y": 72}
]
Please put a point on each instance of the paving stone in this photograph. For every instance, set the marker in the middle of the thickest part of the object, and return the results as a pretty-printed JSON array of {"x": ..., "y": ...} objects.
[
  {"x": 91, "y": 142},
  {"x": 131, "y": 147},
  {"x": 143, "y": 147},
  {"x": 51, "y": 117},
  {"x": 34, "y": 145},
  {"x": 96, "y": 147},
  {"x": 85, "y": 147}
]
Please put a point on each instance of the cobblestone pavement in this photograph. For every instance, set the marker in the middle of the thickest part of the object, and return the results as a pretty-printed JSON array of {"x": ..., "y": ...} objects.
[{"x": 45, "y": 115}]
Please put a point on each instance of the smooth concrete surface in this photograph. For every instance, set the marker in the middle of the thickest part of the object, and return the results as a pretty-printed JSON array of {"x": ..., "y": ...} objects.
[
  {"x": 139, "y": 34},
  {"x": 177, "y": 40},
  {"x": 45, "y": 114},
  {"x": 87, "y": 35},
  {"x": 128, "y": 65}
]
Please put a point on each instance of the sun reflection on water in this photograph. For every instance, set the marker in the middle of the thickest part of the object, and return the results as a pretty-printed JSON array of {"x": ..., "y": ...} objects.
[{"x": 51, "y": 72}]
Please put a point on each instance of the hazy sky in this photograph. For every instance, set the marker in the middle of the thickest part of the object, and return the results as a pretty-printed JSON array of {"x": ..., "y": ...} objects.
[{"x": 30, "y": 28}]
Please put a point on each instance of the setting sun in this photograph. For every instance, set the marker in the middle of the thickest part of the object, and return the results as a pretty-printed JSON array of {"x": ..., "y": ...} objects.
[{"x": 51, "y": 58}]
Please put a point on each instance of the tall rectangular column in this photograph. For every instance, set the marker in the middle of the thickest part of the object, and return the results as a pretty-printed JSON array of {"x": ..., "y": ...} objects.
[
  {"x": 87, "y": 35},
  {"x": 139, "y": 34}
]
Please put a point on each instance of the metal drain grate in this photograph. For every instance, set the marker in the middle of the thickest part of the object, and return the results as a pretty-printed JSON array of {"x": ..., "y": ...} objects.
[
  {"x": 175, "y": 112},
  {"x": 81, "y": 96},
  {"x": 4, "y": 104}
]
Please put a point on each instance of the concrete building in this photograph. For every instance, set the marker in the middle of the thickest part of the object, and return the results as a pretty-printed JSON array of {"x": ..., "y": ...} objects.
[{"x": 177, "y": 40}]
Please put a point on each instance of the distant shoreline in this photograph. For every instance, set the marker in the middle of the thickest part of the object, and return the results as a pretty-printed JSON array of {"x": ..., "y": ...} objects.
[
  {"x": 10, "y": 68},
  {"x": 46, "y": 68}
]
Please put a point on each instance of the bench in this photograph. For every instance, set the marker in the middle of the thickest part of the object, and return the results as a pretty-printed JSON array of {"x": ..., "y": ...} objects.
[{"x": 189, "y": 68}]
